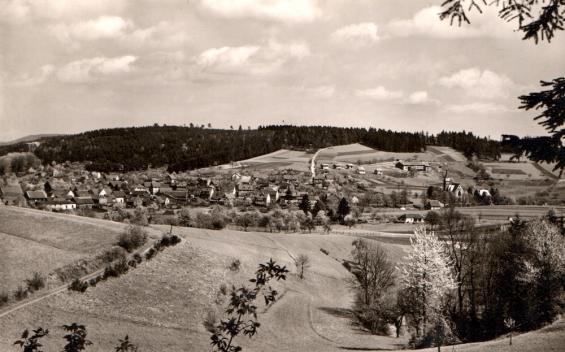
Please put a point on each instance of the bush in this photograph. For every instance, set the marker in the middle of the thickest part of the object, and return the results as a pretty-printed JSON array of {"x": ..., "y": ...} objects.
[
  {"x": 235, "y": 265},
  {"x": 150, "y": 254},
  {"x": 94, "y": 281},
  {"x": 133, "y": 237},
  {"x": 4, "y": 298},
  {"x": 113, "y": 254},
  {"x": 325, "y": 251},
  {"x": 36, "y": 282},
  {"x": 121, "y": 267},
  {"x": 137, "y": 257},
  {"x": 78, "y": 285},
  {"x": 211, "y": 321},
  {"x": 20, "y": 293}
]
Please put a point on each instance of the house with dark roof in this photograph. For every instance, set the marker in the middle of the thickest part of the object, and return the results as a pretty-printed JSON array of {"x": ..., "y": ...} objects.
[
  {"x": 433, "y": 204},
  {"x": 36, "y": 197}
]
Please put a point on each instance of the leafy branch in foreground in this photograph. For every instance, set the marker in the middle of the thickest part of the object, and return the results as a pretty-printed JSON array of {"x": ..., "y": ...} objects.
[
  {"x": 537, "y": 19},
  {"x": 242, "y": 311}
]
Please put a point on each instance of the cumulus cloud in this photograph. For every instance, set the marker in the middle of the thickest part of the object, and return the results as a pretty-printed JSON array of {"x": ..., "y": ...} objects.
[
  {"x": 483, "y": 84},
  {"x": 20, "y": 11},
  {"x": 421, "y": 98},
  {"x": 477, "y": 108},
  {"x": 280, "y": 10},
  {"x": 426, "y": 23},
  {"x": 362, "y": 33},
  {"x": 101, "y": 28},
  {"x": 379, "y": 93},
  {"x": 250, "y": 59},
  {"x": 95, "y": 69}
]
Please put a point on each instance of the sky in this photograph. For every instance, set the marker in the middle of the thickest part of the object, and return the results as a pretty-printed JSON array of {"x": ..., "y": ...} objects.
[{"x": 68, "y": 66}]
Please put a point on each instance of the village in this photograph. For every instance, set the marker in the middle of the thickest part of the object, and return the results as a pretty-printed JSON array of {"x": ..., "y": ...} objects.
[{"x": 374, "y": 192}]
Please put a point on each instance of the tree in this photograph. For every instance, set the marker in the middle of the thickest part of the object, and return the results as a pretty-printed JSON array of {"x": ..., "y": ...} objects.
[
  {"x": 548, "y": 259},
  {"x": 432, "y": 218},
  {"x": 538, "y": 20},
  {"x": 242, "y": 310},
  {"x": 426, "y": 279},
  {"x": 343, "y": 209},
  {"x": 373, "y": 270},
  {"x": 304, "y": 204},
  {"x": 302, "y": 263}
]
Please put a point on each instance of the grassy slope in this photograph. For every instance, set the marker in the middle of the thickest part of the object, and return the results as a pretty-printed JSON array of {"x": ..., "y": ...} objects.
[
  {"x": 39, "y": 241},
  {"x": 162, "y": 303}
]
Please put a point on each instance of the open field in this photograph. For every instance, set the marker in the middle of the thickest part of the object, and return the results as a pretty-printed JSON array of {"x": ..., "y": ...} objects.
[
  {"x": 281, "y": 159},
  {"x": 161, "y": 304},
  {"x": 40, "y": 241},
  {"x": 514, "y": 171}
]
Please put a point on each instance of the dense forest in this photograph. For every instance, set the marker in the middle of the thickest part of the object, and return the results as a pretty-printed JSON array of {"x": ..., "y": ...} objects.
[{"x": 184, "y": 148}]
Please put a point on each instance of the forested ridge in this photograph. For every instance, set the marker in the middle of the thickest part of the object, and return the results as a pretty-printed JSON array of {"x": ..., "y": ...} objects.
[{"x": 184, "y": 148}]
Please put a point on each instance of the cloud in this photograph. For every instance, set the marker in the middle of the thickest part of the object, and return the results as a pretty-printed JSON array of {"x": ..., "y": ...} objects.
[
  {"x": 361, "y": 33},
  {"x": 163, "y": 34},
  {"x": 103, "y": 27},
  {"x": 421, "y": 98},
  {"x": 483, "y": 84},
  {"x": 21, "y": 11},
  {"x": 477, "y": 108},
  {"x": 427, "y": 23},
  {"x": 32, "y": 80},
  {"x": 279, "y": 10},
  {"x": 95, "y": 69},
  {"x": 379, "y": 93},
  {"x": 250, "y": 59}
]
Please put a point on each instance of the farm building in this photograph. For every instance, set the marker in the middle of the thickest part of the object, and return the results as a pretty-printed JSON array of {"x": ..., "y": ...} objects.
[
  {"x": 60, "y": 204},
  {"x": 36, "y": 197},
  {"x": 433, "y": 204},
  {"x": 361, "y": 170},
  {"x": 412, "y": 167},
  {"x": 411, "y": 218}
]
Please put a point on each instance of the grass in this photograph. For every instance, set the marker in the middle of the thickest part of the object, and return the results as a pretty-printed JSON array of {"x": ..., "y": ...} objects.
[
  {"x": 165, "y": 301},
  {"x": 53, "y": 241}
]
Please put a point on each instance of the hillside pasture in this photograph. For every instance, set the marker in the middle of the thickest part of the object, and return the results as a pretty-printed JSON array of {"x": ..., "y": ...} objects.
[
  {"x": 514, "y": 171},
  {"x": 162, "y": 303},
  {"x": 34, "y": 241},
  {"x": 280, "y": 159}
]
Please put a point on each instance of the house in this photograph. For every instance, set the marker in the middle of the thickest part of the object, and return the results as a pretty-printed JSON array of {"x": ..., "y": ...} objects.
[
  {"x": 325, "y": 166},
  {"x": 244, "y": 190},
  {"x": 349, "y": 166},
  {"x": 262, "y": 199},
  {"x": 84, "y": 202},
  {"x": 378, "y": 172},
  {"x": 433, "y": 204},
  {"x": 175, "y": 197},
  {"x": 455, "y": 189},
  {"x": 112, "y": 177},
  {"x": 36, "y": 197},
  {"x": 411, "y": 218},
  {"x": 12, "y": 195},
  {"x": 205, "y": 193},
  {"x": 412, "y": 167},
  {"x": 484, "y": 193},
  {"x": 361, "y": 170},
  {"x": 58, "y": 203},
  {"x": 153, "y": 186},
  {"x": 119, "y": 197}
]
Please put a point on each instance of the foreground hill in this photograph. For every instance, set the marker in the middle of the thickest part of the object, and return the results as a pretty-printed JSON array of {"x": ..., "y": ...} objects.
[
  {"x": 184, "y": 148},
  {"x": 162, "y": 303}
]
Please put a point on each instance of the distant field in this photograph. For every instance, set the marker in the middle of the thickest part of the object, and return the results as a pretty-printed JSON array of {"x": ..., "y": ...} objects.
[
  {"x": 34, "y": 241},
  {"x": 514, "y": 171}
]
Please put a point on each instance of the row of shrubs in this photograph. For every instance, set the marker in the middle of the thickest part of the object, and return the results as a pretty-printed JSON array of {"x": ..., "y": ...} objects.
[
  {"x": 123, "y": 265},
  {"x": 35, "y": 283}
]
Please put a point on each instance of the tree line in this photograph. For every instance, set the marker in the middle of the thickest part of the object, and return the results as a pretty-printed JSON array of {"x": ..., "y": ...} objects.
[{"x": 185, "y": 148}]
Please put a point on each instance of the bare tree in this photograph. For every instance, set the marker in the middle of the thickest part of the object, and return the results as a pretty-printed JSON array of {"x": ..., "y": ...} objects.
[{"x": 302, "y": 263}]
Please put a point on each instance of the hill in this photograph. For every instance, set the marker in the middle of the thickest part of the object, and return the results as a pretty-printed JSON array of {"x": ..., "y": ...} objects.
[
  {"x": 30, "y": 138},
  {"x": 184, "y": 148},
  {"x": 164, "y": 301}
]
